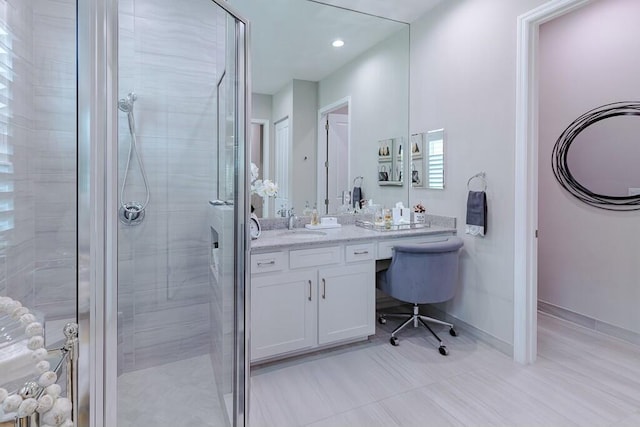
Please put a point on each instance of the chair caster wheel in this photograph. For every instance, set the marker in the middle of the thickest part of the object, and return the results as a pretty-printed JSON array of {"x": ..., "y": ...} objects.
[
  {"x": 453, "y": 332},
  {"x": 382, "y": 320},
  {"x": 443, "y": 350},
  {"x": 393, "y": 341}
]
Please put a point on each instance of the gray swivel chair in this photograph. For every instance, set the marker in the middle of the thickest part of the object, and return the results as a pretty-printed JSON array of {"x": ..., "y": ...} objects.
[{"x": 421, "y": 274}]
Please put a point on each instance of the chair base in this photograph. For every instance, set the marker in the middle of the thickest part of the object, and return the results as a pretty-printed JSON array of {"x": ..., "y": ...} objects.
[{"x": 417, "y": 318}]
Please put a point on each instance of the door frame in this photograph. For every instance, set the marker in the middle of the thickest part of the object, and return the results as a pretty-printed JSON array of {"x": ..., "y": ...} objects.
[
  {"x": 525, "y": 296},
  {"x": 322, "y": 146},
  {"x": 96, "y": 195}
]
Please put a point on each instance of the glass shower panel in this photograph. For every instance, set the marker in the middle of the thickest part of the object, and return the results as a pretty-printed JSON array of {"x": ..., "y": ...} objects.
[
  {"x": 38, "y": 156},
  {"x": 182, "y": 200},
  {"x": 38, "y": 146}
]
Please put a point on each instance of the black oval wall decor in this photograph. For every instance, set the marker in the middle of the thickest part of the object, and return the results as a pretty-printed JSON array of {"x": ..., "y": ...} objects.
[{"x": 561, "y": 149}]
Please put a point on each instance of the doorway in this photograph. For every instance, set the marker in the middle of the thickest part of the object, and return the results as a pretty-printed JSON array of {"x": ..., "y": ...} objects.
[
  {"x": 334, "y": 157},
  {"x": 525, "y": 295}
]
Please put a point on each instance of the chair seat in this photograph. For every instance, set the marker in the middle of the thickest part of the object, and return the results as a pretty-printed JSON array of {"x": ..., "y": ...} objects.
[{"x": 422, "y": 274}]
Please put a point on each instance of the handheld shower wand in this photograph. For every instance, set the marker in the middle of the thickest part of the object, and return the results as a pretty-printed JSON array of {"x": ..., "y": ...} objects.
[{"x": 132, "y": 213}]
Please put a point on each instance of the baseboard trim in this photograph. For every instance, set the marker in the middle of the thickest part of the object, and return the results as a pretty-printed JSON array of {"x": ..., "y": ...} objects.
[
  {"x": 460, "y": 325},
  {"x": 589, "y": 322}
]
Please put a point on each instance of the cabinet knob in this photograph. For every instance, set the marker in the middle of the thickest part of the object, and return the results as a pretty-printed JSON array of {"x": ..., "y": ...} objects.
[
  {"x": 309, "y": 290},
  {"x": 324, "y": 289}
]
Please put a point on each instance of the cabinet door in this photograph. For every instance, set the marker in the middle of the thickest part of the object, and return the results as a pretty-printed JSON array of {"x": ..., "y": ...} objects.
[
  {"x": 283, "y": 313},
  {"x": 346, "y": 302}
]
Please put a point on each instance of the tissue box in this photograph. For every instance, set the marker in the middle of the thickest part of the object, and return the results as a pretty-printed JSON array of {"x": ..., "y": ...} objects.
[
  {"x": 328, "y": 220},
  {"x": 401, "y": 216}
]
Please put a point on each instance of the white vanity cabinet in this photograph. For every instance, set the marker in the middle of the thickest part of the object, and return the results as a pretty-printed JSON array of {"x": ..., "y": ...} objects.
[
  {"x": 346, "y": 303},
  {"x": 321, "y": 296},
  {"x": 283, "y": 313}
]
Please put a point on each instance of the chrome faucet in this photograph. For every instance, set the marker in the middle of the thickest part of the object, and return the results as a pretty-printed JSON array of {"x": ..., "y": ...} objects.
[{"x": 292, "y": 220}]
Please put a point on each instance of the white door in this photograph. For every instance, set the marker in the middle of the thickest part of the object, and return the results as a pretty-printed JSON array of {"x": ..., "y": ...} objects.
[
  {"x": 337, "y": 159},
  {"x": 283, "y": 155}
]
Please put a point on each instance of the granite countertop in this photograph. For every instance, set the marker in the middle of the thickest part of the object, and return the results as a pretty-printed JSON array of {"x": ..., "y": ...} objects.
[{"x": 289, "y": 239}]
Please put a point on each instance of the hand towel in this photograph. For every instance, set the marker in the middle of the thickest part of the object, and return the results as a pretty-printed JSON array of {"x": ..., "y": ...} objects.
[
  {"x": 476, "y": 213},
  {"x": 357, "y": 197}
]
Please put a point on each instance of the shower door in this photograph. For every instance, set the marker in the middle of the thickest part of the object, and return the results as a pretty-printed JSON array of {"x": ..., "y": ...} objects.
[{"x": 181, "y": 244}]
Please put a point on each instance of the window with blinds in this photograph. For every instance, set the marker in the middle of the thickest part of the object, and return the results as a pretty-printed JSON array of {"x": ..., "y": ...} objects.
[
  {"x": 435, "y": 158},
  {"x": 6, "y": 149}
]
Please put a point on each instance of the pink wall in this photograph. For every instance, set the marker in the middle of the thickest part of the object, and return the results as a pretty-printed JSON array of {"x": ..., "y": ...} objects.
[{"x": 587, "y": 257}]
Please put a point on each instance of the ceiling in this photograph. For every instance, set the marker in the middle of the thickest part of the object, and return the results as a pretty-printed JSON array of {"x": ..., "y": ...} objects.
[
  {"x": 399, "y": 10},
  {"x": 291, "y": 39}
]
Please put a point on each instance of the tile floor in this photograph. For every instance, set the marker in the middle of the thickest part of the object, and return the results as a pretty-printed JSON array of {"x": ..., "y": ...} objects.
[
  {"x": 581, "y": 378},
  {"x": 177, "y": 394}
]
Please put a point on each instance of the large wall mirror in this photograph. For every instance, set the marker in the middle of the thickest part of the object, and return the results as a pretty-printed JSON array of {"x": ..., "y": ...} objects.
[{"x": 319, "y": 111}]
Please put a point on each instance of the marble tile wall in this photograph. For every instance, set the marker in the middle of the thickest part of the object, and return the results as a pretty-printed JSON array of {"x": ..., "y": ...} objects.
[
  {"x": 168, "y": 55},
  {"x": 53, "y": 160}
]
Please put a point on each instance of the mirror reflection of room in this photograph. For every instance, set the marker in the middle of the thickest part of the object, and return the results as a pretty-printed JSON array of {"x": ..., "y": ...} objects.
[{"x": 318, "y": 111}]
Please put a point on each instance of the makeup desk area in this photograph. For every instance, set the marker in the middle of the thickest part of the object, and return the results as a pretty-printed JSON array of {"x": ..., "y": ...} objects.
[{"x": 313, "y": 289}]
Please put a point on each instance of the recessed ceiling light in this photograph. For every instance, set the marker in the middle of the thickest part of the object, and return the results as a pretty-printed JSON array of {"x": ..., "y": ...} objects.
[{"x": 337, "y": 43}]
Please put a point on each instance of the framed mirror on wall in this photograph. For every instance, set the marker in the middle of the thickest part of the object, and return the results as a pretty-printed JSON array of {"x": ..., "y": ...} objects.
[
  {"x": 390, "y": 164},
  {"x": 428, "y": 159}
]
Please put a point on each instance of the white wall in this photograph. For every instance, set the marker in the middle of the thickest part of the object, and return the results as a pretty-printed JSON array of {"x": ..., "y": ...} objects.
[
  {"x": 377, "y": 82},
  {"x": 587, "y": 257},
  {"x": 261, "y": 106},
  {"x": 463, "y": 79}
]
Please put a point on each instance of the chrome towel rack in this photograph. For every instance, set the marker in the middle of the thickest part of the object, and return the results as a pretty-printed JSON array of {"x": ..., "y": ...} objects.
[{"x": 482, "y": 177}]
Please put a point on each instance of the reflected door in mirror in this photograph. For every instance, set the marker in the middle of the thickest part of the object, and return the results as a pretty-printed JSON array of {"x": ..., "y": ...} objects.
[
  {"x": 283, "y": 158},
  {"x": 337, "y": 165}
]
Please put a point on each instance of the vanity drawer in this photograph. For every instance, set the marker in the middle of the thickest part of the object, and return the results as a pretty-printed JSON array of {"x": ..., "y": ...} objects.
[
  {"x": 385, "y": 248},
  {"x": 362, "y": 252},
  {"x": 303, "y": 258},
  {"x": 273, "y": 261}
]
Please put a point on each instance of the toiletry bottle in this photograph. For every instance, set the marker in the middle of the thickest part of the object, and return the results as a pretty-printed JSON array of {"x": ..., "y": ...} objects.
[
  {"x": 314, "y": 217},
  {"x": 307, "y": 209}
]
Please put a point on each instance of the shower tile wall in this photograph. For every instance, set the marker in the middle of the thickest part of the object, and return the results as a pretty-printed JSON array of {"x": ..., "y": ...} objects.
[
  {"x": 167, "y": 55},
  {"x": 38, "y": 250},
  {"x": 54, "y": 157}
]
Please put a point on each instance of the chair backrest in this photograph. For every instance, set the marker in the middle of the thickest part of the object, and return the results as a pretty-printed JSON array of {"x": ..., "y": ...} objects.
[{"x": 423, "y": 273}]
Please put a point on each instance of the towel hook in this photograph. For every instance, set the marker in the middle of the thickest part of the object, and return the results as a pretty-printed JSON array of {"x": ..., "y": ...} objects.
[
  {"x": 355, "y": 181},
  {"x": 480, "y": 175}
]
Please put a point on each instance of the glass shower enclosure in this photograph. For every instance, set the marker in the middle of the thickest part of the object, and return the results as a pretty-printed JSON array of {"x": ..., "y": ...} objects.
[
  {"x": 180, "y": 240},
  {"x": 122, "y": 200}
]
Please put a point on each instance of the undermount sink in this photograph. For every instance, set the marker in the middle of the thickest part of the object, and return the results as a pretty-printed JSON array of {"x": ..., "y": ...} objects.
[{"x": 302, "y": 234}]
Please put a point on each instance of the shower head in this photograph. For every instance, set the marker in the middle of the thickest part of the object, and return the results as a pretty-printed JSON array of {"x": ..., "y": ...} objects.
[{"x": 126, "y": 104}]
